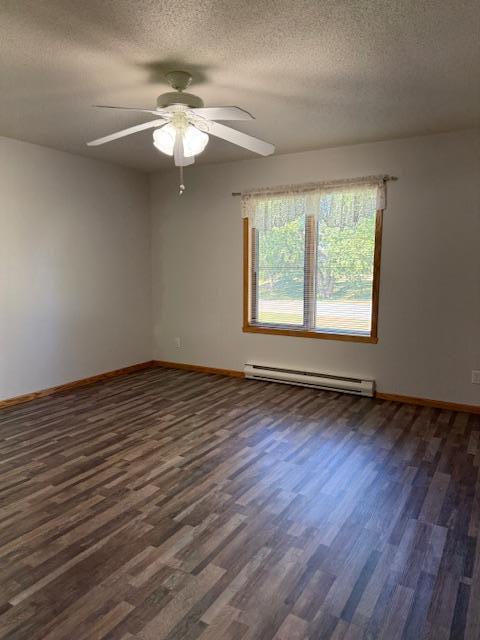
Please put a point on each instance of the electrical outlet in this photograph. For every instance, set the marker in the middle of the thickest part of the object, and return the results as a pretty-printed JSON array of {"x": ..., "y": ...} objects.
[
  {"x": 476, "y": 376},
  {"x": 178, "y": 342}
]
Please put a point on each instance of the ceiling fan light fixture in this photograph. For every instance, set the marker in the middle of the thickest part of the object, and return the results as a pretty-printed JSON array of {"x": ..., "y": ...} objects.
[
  {"x": 194, "y": 140},
  {"x": 164, "y": 139}
]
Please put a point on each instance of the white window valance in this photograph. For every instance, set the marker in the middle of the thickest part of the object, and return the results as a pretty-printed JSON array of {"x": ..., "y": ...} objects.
[{"x": 336, "y": 203}]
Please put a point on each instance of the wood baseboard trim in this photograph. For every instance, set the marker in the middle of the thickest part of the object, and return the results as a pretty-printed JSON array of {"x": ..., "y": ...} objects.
[
  {"x": 427, "y": 402},
  {"x": 9, "y": 402},
  {"x": 232, "y": 373}
]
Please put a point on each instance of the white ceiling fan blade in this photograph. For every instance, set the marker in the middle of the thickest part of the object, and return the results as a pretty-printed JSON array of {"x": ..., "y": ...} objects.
[
  {"x": 181, "y": 160},
  {"x": 223, "y": 113},
  {"x": 155, "y": 112},
  {"x": 241, "y": 139},
  {"x": 126, "y": 132}
]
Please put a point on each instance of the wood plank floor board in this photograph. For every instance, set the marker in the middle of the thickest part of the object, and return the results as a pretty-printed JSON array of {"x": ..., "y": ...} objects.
[{"x": 179, "y": 505}]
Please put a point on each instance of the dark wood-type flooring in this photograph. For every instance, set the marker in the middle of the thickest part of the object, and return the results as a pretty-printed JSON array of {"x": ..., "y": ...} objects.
[{"x": 174, "y": 505}]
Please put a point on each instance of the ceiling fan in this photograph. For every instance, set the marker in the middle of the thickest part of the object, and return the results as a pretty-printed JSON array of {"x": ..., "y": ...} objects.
[{"x": 182, "y": 125}]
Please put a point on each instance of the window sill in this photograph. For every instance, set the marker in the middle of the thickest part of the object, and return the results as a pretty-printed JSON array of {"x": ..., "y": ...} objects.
[{"x": 300, "y": 333}]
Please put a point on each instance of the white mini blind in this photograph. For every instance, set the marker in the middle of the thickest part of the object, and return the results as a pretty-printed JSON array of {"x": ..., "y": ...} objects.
[{"x": 313, "y": 253}]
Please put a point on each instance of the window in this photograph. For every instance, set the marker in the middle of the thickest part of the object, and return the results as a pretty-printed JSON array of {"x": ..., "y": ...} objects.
[{"x": 312, "y": 260}]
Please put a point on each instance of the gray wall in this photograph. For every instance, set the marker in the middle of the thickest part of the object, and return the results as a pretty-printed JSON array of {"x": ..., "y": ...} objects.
[
  {"x": 429, "y": 318},
  {"x": 75, "y": 279}
]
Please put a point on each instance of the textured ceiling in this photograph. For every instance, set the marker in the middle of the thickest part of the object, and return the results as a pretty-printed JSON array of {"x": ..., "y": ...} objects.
[{"x": 314, "y": 73}]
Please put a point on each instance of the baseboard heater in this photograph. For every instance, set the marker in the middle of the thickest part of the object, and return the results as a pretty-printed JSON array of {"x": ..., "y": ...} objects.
[{"x": 314, "y": 379}]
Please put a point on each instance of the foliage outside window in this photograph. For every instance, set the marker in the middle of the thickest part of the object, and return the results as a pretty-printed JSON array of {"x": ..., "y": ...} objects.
[{"x": 313, "y": 262}]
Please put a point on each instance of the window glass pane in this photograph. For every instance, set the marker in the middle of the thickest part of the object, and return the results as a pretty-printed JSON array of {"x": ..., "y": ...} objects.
[
  {"x": 280, "y": 268},
  {"x": 345, "y": 257}
]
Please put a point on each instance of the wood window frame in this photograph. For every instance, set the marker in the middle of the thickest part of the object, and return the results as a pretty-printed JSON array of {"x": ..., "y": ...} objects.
[{"x": 250, "y": 290}]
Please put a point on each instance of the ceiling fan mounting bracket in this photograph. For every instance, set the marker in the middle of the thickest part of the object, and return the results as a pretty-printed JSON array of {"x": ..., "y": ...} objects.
[{"x": 179, "y": 80}]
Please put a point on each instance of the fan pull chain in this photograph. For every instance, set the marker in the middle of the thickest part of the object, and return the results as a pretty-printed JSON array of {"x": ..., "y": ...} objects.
[{"x": 181, "y": 186}]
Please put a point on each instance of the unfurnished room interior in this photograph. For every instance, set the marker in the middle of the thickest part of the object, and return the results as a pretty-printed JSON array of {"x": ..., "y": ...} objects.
[{"x": 239, "y": 320}]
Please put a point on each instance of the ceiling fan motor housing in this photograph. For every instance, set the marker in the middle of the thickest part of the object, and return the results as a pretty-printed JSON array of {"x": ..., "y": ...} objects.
[{"x": 179, "y": 97}]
